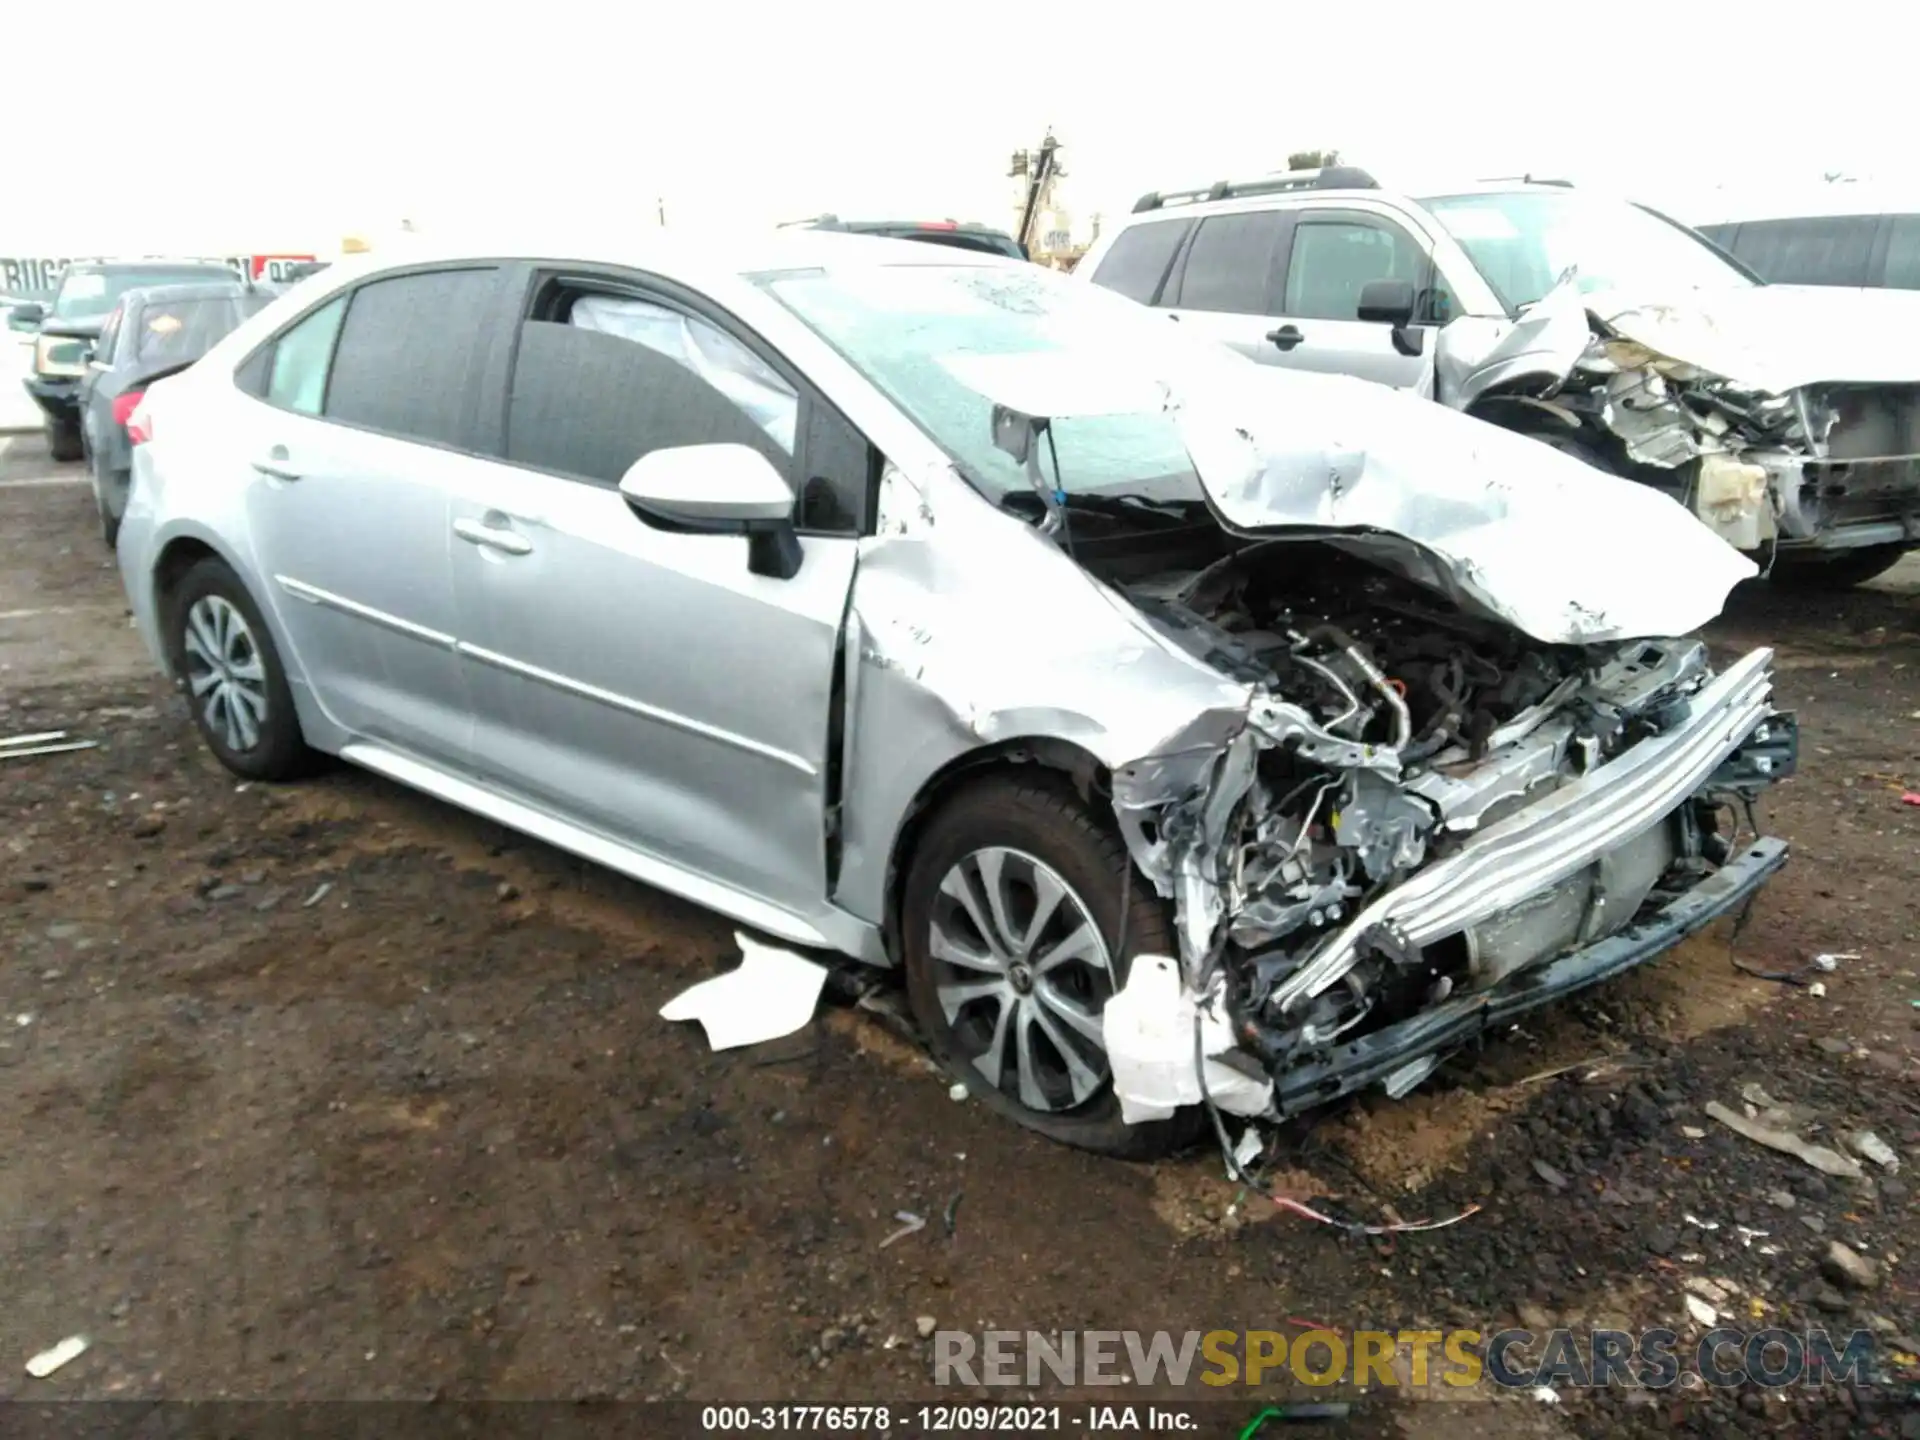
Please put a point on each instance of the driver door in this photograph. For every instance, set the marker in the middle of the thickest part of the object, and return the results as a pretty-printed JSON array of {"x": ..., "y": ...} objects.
[{"x": 638, "y": 678}]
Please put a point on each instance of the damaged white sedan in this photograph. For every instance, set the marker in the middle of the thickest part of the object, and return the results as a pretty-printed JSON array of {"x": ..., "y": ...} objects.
[{"x": 1188, "y": 733}]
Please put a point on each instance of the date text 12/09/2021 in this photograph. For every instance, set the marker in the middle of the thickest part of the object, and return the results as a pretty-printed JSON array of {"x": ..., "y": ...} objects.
[{"x": 955, "y": 1420}]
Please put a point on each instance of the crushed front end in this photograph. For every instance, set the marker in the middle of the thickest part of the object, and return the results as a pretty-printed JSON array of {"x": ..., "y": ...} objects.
[{"x": 1431, "y": 822}]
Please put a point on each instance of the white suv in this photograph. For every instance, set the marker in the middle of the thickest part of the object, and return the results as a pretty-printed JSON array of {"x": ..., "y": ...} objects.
[{"x": 1786, "y": 418}]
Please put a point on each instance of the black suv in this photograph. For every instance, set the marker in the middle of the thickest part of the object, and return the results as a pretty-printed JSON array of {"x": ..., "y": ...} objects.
[{"x": 69, "y": 327}]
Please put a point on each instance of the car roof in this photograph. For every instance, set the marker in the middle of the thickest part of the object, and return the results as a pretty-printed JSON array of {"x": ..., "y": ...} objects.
[
  {"x": 154, "y": 263},
  {"x": 1255, "y": 198},
  {"x": 696, "y": 253},
  {"x": 1810, "y": 202},
  {"x": 195, "y": 290}
]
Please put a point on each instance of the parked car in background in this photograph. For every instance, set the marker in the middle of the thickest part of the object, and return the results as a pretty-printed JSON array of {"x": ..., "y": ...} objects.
[
  {"x": 1784, "y": 418},
  {"x": 933, "y": 608},
  {"x": 1840, "y": 235},
  {"x": 86, "y": 296},
  {"x": 960, "y": 235},
  {"x": 151, "y": 333}
]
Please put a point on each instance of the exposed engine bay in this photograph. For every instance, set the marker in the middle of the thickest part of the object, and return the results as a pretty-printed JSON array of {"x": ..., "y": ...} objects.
[{"x": 1395, "y": 730}]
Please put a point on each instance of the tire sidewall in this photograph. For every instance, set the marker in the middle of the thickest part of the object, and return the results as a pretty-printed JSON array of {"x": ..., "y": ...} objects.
[{"x": 1042, "y": 824}]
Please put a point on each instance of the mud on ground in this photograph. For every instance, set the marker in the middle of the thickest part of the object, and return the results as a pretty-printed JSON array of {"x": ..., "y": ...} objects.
[{"x": 332, "y": 1091}]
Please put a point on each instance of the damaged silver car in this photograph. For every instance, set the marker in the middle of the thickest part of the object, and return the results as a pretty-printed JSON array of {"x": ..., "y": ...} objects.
[
  {"x": 1786, "y": 418},
  {"x": 1186, "y": 732}
]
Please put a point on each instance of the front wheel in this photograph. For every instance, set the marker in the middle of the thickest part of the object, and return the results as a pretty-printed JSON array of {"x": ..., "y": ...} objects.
[
  {"x": 63, "y": 439},
  {"x": 1015, "y": 936},
  {"x": 228, "y": 665},
  {"x": 1831, "y": 570}
]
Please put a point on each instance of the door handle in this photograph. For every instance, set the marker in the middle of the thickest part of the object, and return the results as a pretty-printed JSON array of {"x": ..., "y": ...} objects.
[
  {"x": 1286, "y": 337},
  {"x": 275, "y": 466},
  {"x": 474, "y": 533}
]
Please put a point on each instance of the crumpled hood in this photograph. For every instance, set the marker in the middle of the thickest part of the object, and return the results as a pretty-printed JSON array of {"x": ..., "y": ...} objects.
[
  {"x": 1776, "y": 338},
  {"x": 1563, "y": 552}
]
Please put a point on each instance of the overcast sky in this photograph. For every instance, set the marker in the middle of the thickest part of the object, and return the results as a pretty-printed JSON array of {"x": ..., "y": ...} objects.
[{"x": 285, "y": 126}]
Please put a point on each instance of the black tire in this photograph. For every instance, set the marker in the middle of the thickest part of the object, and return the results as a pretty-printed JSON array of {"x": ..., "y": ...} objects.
[
  {"x": 1048, "y": 823},
  {"x": 63, "y": 439},
  {"x": 109, "y": 522},
  {"x": 278, "y": 751},
  {"x": 1839, "y": 571}
]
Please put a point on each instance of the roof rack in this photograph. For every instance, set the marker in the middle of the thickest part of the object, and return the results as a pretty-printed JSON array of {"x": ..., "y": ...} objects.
[
  {"x": 1329, "y": 177},
  {"x": 1524, "y": 180}
]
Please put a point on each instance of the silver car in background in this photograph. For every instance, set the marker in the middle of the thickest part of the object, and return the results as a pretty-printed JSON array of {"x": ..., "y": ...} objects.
[{"x": 936, "y": 610}]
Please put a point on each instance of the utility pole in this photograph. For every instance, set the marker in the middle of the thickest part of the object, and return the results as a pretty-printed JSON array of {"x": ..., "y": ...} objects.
[{"x": 1041, "y": 167}]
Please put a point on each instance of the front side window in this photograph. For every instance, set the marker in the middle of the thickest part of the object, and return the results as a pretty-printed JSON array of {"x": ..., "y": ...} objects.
[
  {"x": 173, "y": 331},
  {"x": 1823, "y": 250},
  {"x": 408, "y": 360},
  {"x": 109, "y": 336},
  {"x": 1137, "y": 261},
  {"x": 1230, "y": 265},
  {"x": 1334, "y": 260},
  {"x": 297, "y": 364},
  {"x": 620, "y": 377},
  {"x": 1523, "y": 241}
]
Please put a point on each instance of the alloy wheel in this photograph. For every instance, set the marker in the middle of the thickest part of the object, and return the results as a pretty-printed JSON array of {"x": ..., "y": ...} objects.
[
  {"x": 1021, "y": 973},
  {"x": 225, "y": 674}
]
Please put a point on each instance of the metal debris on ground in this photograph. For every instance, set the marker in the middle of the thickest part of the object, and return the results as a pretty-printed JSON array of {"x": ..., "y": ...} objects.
[
  {"x": 910, "y": 1224},
  {"x": 952, "y": 1215},
  {"x": 48, "y": 1361},
  {"x": 1701, "y": 1311},
  {"x": 1828, "y": 1162},
  {"x": 317, "y": 896},
  {"x": 772, "y": 992},
  {"x": 45, "y": 742},
  {"x": 1829, "y": 961}
]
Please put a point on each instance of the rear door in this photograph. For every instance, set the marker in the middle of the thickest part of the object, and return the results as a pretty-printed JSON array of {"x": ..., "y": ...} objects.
[
  {"x": 365, "y": 419},
  {"x": 1334, "y": 254},
  {"x": 637, "y": 679},
  {"x": 1225, "y": 282}
]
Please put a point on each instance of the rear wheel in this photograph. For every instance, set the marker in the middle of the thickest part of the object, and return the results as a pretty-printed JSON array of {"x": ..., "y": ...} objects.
[
  {"x": 1016, "y": 936},
  {"x": 235, "y": 684},
  {"x": 1834, "y": 570},
  {"x": 109, "y": 522},
  {"x": 63, "y": 439}
]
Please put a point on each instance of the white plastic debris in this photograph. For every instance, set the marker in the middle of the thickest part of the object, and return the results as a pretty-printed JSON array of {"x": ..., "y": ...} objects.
[
  {"x": 1248, "y": 1149},
  {"x": 1545, "y": 1394},
  {"x": 1817, "y": 990},
  {"x": 48, "y": 1361},
  {"x": 1698, "y": 1223},
  {"x": 1870, "y": 1145},
  {"x": 910, "y": 1224},
  {"x": 1827, "y": 1162},
  {"x": 317, "y": 896},
  {"x": 1149, "y": 1026},
  {"x": 957, "y": 1090},
  {"x": 1702, "y": 1313},
  {"x": 1829, "y": 961},
  {"x": 772, "y": 993}
]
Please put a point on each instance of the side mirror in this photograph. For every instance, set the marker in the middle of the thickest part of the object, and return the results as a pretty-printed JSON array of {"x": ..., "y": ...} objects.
[
  {"x": 27, "y": 315},
  {"x": 721, "y": 489},
  {"x": 1387, "y": 302}
]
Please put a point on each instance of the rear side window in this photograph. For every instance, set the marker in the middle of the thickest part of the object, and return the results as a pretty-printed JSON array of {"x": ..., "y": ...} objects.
[
  {"x": 623, "y": 377},
  {"x": 177, "y": 330},
  {"x": 1230, "y": 265},
  {"x": 410, "y": 353},
  {"x": 1903, "y": 252},
  {"x": 1138, "y": 259},
  {"x": 1827, "y": 250},
  {"x": 297, "y": 364},
  {"x": 1333, "y": 260}
]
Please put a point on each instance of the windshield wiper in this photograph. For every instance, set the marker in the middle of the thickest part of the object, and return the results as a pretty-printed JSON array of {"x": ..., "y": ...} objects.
[{"x": 1120, "y": 507}]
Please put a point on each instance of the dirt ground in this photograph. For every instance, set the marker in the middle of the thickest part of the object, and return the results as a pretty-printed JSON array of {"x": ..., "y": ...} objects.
[{"x": 331, "y": 1091}]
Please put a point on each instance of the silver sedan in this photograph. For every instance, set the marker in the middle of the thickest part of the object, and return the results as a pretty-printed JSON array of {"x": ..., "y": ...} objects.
[{"x": 1191, "y": 736}]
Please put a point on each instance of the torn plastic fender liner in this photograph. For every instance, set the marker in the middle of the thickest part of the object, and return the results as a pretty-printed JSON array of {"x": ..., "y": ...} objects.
[{"x": 1148, "y": 1028}]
